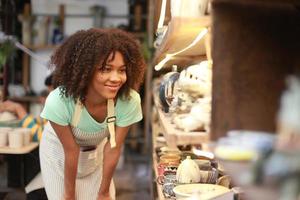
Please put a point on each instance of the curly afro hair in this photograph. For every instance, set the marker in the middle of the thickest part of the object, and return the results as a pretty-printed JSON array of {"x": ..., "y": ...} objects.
[{"x": 76, "y": 59}]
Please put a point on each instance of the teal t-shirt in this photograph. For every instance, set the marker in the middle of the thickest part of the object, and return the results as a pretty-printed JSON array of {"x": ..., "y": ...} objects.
[{"x": 60, "y": 110}]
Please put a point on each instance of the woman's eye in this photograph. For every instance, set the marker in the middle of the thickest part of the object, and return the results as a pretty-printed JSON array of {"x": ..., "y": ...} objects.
[
  {"x": 123, "y": 70},
  {"x": 105, "y": 69}
]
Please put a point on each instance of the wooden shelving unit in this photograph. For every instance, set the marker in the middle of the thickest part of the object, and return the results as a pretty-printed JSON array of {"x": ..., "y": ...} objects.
[
  {"x": 181, "y": 33},
  {"x": 176, "y": 137},
  {"x": 173, "y": 135}
]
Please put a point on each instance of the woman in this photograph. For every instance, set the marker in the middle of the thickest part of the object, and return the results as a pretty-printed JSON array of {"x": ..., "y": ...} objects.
[{"x": 94, "y": 77}]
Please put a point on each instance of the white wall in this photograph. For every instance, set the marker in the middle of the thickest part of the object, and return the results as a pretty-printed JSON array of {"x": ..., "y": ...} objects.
[
  {"x": 113, "y": 7},
  {"x": 38, "y": 72}
]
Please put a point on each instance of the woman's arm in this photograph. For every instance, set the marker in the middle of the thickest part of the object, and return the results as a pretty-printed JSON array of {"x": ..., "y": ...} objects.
[
  {"x": 71, "y": 150},
  {"x": 110, "y": 160}
]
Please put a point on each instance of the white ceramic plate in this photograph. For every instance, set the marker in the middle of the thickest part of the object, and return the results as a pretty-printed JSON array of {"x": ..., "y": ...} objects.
[{"x": 202, "y": 191}]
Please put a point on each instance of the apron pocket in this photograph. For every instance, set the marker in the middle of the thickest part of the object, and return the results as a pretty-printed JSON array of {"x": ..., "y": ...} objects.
[{"x": 88, "y": 162}]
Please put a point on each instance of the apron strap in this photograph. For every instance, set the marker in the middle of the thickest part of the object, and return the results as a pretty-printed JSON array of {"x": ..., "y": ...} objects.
[
  {"x": 77, "y": 113},
  {"x": 111, "y": 118}
]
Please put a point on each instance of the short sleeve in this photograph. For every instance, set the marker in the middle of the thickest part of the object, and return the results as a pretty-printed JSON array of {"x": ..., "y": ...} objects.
[
  {"x": 129, "y": 111},
  {"x": 56, "y": 109}
]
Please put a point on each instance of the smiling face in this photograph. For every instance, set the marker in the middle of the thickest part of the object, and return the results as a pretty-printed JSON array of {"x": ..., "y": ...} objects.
[{"x": 108, "y": 80}]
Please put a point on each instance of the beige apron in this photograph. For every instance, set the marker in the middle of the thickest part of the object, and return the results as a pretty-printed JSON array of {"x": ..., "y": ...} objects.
[{"x": 90, "y": 161}]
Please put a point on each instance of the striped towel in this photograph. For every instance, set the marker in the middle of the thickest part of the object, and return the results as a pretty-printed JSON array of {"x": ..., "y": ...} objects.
[{"x": 36, "y": 124}]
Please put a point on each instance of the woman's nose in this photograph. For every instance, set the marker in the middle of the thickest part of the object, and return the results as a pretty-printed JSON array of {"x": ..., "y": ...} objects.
[{"x": 115, "y": 76}]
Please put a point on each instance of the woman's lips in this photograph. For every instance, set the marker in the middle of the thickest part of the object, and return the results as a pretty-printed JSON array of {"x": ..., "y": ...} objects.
[{"x": 113, "y": 87}]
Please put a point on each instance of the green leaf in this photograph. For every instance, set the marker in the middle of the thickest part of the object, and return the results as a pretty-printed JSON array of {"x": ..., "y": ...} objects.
[{"x": 6, "y": 49}]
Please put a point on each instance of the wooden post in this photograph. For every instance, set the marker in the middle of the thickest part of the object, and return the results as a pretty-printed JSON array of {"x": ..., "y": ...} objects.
[
  {"x": 255, "y": 46},
  {"x": 25, "y": 71},
  {"x": 26, "y": 33},
  {"x": 62, "y": 18}
]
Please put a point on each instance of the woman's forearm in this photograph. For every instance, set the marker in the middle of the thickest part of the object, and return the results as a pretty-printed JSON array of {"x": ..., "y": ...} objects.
[
  {"x": 20, "y": 111},
  {"x": 71, "y": 163},
  {"x": 110, "y": 160}
]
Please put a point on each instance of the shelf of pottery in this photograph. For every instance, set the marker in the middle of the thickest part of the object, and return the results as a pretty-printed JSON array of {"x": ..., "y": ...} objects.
[
  {"x": 180, "y": 124},
  {"x": 183, "y": 166},
  {"x": 246, "y": 112}
]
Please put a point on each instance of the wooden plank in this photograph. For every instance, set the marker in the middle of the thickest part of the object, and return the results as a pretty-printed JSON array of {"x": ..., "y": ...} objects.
[
  {"x": 42, "y": 47},
  {"x": 34, "y": 99},
  {"x": 25, "y": 71},
  {"x": 62, "y": 18}
]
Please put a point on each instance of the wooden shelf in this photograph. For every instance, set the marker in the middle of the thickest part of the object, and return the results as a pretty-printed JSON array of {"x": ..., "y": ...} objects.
[
  {"x": 34, "y": 99},
  {"x": 42, "y": 47},
  {"x": 180, "y": 34},
  {"x": 176, "y": 137}
]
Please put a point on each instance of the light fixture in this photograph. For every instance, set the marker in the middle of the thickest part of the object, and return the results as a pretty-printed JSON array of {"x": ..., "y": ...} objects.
[{"x": 162, "y": 15}]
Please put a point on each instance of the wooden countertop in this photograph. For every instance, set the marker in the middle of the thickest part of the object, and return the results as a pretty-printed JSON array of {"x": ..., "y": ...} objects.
[{"x": 22, "y": 150}]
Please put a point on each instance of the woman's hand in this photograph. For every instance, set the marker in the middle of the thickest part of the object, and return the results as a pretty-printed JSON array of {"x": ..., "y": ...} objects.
[
  {"x": 13, "y": 107},
  {"x": 104, "y": 196},
  {"x": 8, "y": 106}
]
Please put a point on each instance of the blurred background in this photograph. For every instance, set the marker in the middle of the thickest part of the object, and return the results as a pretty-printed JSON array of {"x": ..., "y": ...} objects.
[{"x": 221, "y": 96}]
